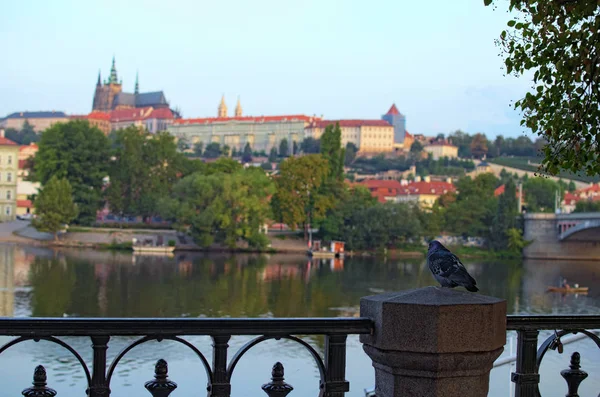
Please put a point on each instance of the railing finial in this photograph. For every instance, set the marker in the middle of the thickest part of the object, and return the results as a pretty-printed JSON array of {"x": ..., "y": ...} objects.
[
  {"x": 277, "y": 387},
  {"x": 39, "y": 388},
  {"x": 161, "y": 386},
  {"x": 574, "y": 375}
]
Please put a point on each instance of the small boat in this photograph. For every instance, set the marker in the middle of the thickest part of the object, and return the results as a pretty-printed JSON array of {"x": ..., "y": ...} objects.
[
  {"x": 570, "y": 290},
  {"x": 317, "y": 250},
  {"x": 147, "y": 249},
  {"x": 149, "y": 246}
]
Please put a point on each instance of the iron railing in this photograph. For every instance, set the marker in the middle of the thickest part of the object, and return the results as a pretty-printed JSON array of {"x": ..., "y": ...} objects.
[
  {"x": 529, "y": 356},
  {"x": 332, "y": 367}
]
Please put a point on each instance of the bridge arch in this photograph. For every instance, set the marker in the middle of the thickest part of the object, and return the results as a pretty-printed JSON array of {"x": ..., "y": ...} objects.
[{"x": 580, "y": 227}]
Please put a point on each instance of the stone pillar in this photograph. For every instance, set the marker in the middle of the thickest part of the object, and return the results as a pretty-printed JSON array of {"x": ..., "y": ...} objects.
[{"x": 433, "y": 341}]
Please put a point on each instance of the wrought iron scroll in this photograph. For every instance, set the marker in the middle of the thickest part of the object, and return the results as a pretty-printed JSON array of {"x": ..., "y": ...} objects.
[{"x": 53, "y": 340}]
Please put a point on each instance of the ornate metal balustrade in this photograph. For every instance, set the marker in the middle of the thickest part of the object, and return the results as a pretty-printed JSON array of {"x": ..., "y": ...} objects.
[
  {"x": 332, "y": 367},
  {"x": 220, "y": 370},
  {"x": 529, "y": 356}
]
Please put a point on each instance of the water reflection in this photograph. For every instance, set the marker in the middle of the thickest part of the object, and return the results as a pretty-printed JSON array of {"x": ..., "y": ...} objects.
[{"x": 45, "y": 283}]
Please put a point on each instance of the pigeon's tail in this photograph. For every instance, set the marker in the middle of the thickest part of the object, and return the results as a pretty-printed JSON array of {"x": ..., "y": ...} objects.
[{"x": 464, "y": 279}]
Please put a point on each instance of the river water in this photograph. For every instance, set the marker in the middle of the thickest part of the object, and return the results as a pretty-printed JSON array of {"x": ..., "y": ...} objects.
[{"x": 44, "y": 283}]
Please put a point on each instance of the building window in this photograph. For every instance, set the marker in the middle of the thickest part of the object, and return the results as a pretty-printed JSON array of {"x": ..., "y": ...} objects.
[
  {"x": 8, "y": 194},
  {"x": 9, "y": 177},
  {"x": 8, "y": 210},
  {"x": 9, "y": 159}
]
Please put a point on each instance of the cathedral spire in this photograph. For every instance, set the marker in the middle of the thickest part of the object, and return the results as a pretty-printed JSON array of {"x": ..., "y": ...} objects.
[
  {"x": 99, "y": 83},
  {"x": 113, "y": 73},
  {"x": 137, "y": 84},
  {"x": 238, "y": 108},
  {"x": 222, "y": 108}
]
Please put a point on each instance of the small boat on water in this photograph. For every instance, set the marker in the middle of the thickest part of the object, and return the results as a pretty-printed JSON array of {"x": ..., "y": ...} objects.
[
  {"x": 152, "y": 249},
  {"x": 149, "y": 246},
  {"x": 569, "y": 290},
  {"x": 316, "y": 250}
]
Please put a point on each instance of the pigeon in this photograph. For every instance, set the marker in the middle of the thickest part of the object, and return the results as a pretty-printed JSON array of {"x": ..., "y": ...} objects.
[{"x": 448, "y": 269}]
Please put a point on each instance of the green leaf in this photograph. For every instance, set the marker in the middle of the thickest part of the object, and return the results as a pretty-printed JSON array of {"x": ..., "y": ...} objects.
[
  {"x": 511, "y": 23},
  {"x": 487, "y": 2}
]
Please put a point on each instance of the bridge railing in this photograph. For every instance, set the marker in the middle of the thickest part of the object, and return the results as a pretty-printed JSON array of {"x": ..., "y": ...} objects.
[
  {"x": 530, "y": 355},
  {"x": 219, "y": 370},
  {"x": 421, "y": 342}
]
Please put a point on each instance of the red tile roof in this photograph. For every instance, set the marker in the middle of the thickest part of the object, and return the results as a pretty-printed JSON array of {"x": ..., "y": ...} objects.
[
  {"x": 248, "y": 119},
  {"x": 24, "y": 203},
  {"x": 571, "y": 198},
  {"x": 137, "y": 114},
  {"x": 381, "y": 189},
  {"x": 408, "y": 135},
  {"x": 30, "y": 146},
  {"x": 435, "y": 188},
  {"x": 393, "y": 110},
  {"x": 350, "y": 123},
  {"x": 592, "y": 189},
  {"x": 6, "y": 142},
  {"x": 98, "y": 116},
  {"x": 381, "y": 184},
  {"x": 92, "y": 116}
]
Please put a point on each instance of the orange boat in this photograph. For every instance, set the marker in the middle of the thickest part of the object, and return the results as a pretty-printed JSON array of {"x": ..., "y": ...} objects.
[{"x": 571, "y": 290}]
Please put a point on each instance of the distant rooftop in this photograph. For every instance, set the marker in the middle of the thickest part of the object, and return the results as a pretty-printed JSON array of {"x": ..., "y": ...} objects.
[
  {"x": 36, "y": 115},
  {"x": 247, "y": 119},
  {"x": 350, "y": 123}
]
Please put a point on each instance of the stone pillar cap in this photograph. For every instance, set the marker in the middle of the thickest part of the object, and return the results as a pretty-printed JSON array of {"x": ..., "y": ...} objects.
[{"x": 435, "y": 320}]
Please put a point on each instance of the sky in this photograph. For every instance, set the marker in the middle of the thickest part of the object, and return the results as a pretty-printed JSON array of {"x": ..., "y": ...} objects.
[{"x": 345, "y": 59}]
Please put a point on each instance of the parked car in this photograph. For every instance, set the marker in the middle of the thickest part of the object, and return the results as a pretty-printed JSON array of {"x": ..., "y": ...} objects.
[{"x": 25, "y": 217}]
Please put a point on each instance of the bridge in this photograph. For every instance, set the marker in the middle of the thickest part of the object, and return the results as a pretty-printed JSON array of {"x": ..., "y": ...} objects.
[{"x": 562, "y": 236}]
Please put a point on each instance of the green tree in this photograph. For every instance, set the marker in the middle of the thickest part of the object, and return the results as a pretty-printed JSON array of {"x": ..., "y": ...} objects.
[
  {"x": 350, "y": 153},
  {"x": 222, "y": 207},
  {"x": 79, "y": 153},
  {"x": 479, "y": 146},
  {"x": 223, "y": 165},
  {"x": 25, "y": 136},
  {"x": 144, "y": 170},
  {"x": 198, "y": 149},
  {"x": 515, "y": 240},
  {"x": 571, "y": 188},
  {"x": 212, "y": 151},
  {"x": 295, "y": 148},
  {"x": 310, "y": 146},
  {"x": 331, "y": 150},
  {"x": 284, "y": 148},
  {"x": 226, "y": 151},
  {"x": 416, "y": 147},
  {"x": 462, "y": 140},
  {"x": 298, "y": 199},
  {"x": 339, "y": 224},
  {"x": 540, "y": 194},
  {"x": 247, "y": 154},
  {"x": 473, "y": 211},
  {"x": 506, "y": 216},
  {"x": 557, "y": 42},
  {"x": 54, "y": 206},
  {"x": 587, "y": 206},
  {"x": 273, "y": 155},
  {"x": 183, "y": 145}
]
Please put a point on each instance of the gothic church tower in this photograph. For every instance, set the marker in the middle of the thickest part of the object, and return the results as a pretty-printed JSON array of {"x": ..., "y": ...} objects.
[
  {"x": 105, "y": 93},
  {"x": 222, "y": 108},
  {"x": 238, "y": 108}
]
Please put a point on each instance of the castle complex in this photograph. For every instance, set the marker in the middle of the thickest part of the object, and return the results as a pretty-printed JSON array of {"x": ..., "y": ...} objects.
[
  {"x": 264, "y": 133},
  {"x": 110, "y": 96}
]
